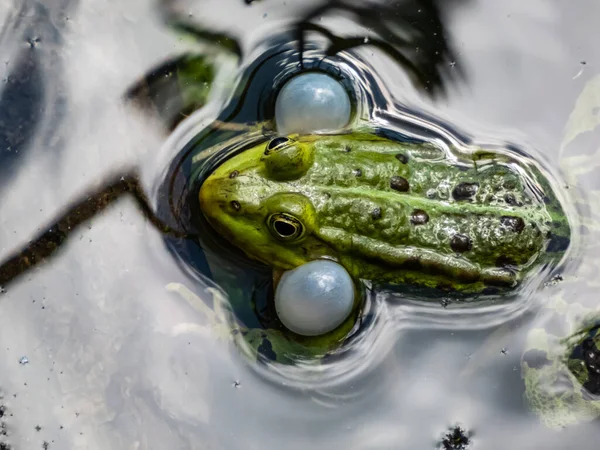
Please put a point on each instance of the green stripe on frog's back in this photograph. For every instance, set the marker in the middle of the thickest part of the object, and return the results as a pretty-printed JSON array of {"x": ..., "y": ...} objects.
[
  {"x": 349, "y": 182},
  {"x": 395, "y": 211}
]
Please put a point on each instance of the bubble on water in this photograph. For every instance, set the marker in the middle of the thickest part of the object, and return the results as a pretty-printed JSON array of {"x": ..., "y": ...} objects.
[
  {"x": 312, "y": 102},
  {"x": 314, "y": 298}
]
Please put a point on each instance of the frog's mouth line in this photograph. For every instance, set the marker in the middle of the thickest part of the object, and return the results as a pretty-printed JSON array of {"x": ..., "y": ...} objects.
[{"x": 209, "y": 239}]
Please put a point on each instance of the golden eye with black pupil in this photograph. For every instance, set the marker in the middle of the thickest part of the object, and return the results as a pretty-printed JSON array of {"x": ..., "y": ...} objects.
[
  {"x": 285, "y": 227},
  {"x": 275, "y": 143}
]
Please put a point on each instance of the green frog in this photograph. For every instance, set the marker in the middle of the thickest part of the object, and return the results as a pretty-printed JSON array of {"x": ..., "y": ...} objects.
[
  {"x": 400, "y": 213},
  {"x": 407, "y": 213},
  {"x": 388, "y": 212}
]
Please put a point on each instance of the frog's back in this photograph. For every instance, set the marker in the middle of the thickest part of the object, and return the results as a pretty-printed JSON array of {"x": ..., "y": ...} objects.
[{"x": 408, "y": 213}]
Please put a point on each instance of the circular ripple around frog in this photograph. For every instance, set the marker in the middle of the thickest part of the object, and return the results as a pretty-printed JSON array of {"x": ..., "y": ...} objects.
[{"x": 204, "y": 145}]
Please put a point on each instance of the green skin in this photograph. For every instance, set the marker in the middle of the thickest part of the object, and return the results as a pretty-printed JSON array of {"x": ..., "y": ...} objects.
[
  {"x": 356, "y": 218},
  {"x": 338, "y": 226},
  {"x": 384, "y": 210}
]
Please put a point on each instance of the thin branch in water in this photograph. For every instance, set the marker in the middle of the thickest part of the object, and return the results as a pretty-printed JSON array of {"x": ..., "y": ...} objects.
[{"x": 43, "y": 247}]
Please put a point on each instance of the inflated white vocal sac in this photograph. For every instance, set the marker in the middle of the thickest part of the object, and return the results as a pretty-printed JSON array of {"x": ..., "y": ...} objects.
[
  {"x": 315, "y": 298},
  {"x": 312, "y": 102}
]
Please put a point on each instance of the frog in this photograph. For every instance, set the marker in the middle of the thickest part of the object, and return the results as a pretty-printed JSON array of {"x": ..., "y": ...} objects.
[
  {"x": 547, "y": 215},
  {"x": 387, "y": 211}
]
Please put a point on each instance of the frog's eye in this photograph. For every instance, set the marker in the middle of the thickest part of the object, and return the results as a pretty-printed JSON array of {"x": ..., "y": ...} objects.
[
  {"x": 285, "y": 227},
  {"x": 276, "y": 143}
]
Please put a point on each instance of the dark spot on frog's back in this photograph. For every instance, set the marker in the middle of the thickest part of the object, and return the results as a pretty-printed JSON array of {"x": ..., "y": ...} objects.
[
  {"x": 357, "y": 172},
  {"x": 510, "y": 199},
  {"x": 376, "y": 214},
  {"x": 235, "y": 205},
  {"x": 402, "y": 158},
  {"x": 515, "y": 224},
  {"x": 419, "y": 217},
  {"x": 266, "y": 350},
  {"x": 234, "y": 174},
  {"x": 460, "y": 243},
  {"x": 536, "y": 359},
  {"x": 504, "y": 261},
  {"x": 399, "y": 184},
  {"x": 465, "y": 191}
]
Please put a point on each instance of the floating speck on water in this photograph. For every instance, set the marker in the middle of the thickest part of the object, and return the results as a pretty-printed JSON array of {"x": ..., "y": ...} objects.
[
  {"x": 2, "y": 290},
  {"x": 583, "y": 63},
  {"x": 237, "y": 384},
  {"x": 24, "y": 360},
  {"x": 38, "y": 428},
  {"x": 554, "y": 280},
  {"x": 366, "y": 40},
  {"x": 504, "y": 351},
  {"x": 456, "y": 439},
  {"x": 264, "y": 15},
  {"x": 452, "y": 63},
  {"x": 33, "y": 41}
]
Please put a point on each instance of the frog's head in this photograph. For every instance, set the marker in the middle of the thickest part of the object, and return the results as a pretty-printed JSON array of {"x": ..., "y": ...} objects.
[{"x": 251, "y": 201}]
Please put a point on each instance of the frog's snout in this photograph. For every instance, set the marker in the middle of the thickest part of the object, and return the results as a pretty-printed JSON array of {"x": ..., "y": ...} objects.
[{"x": 210, "y": 197}]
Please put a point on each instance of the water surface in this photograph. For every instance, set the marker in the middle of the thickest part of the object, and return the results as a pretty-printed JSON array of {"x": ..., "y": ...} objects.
[{"x": 118, "y": 360}]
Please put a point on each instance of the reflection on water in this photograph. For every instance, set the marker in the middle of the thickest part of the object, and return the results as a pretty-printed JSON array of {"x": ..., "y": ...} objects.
[{"x": 120, "y": 358}]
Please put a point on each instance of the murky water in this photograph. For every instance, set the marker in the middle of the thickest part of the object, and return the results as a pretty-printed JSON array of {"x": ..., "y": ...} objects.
[{"x": 120, "y": 356}]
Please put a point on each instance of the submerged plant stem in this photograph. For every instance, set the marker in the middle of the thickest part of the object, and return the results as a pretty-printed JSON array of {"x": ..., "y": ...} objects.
[{"x": 90, "y": 204}]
